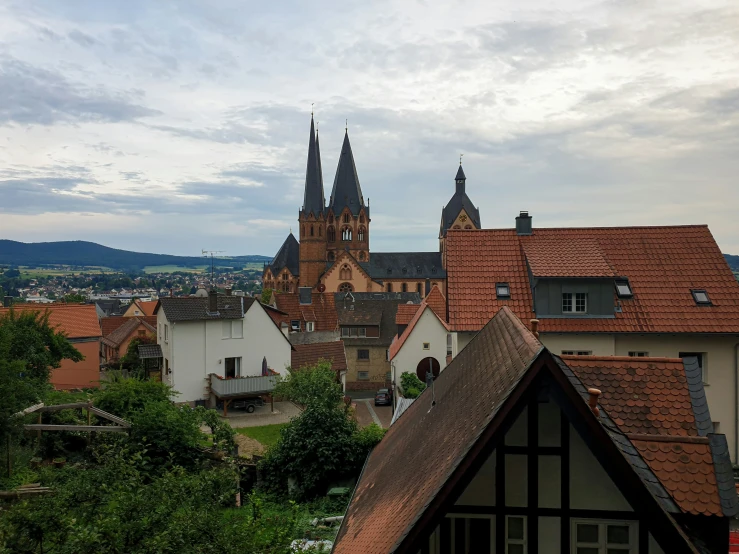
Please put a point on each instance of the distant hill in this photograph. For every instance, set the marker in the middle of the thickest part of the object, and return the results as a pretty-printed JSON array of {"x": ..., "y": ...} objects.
[
  {"x": 82, "y": 253},
  {"x": 733, "y": 261}
]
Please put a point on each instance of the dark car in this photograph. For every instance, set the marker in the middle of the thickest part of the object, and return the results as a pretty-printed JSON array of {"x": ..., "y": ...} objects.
[
  {"x": 383, "y": 397},
  {"x": 248, "y": 404}
]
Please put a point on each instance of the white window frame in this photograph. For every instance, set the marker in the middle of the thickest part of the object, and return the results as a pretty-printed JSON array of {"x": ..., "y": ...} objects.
[
  {"x": 638, "y": 354},
  {"x": 573, "y": 298},
  {"x": 577, "y": 352},
  {"x": 603, "y": 545},
  {"x": 427, "y": 346},
  {"x": 522, "y": 541},
  {"x": 166, "y": 333},
  {"x": 309, "y": 326},
  {"x": 359, "y": 376},
  {"x": 363, "y": 331},
  {"x": 701, "y": 361},
  {"x": 345, "y": 331},
  {"x": 449, "y": 344}
]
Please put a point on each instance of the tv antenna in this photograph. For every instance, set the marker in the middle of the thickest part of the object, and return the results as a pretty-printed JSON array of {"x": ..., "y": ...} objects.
[{"x": 211, "y": 253}]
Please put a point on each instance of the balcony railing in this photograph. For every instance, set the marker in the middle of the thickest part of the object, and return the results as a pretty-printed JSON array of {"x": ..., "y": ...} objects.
[{"x": 241, "y": 386}]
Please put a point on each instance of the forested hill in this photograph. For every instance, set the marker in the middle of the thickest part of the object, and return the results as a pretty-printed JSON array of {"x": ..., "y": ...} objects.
[
  {"x": 82, "y": 253},
  {"x": 733, "y": 261}
]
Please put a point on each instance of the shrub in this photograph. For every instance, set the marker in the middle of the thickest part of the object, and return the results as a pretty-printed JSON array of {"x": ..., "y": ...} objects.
[
  {"x": 127, "y": 396},
  {"x": 312, "y": 385},
  {"x": 412, "y": 386}
]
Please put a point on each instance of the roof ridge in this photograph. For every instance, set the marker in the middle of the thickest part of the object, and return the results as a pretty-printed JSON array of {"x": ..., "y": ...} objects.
[
  {"x": 634, "y": 359},
  {"x": 513, "y": 229}
]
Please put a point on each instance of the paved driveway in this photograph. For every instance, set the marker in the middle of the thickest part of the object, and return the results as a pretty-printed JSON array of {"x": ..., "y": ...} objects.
[
  {"x": 284, "y": 412},
  {"x": 368, "y": 413}
]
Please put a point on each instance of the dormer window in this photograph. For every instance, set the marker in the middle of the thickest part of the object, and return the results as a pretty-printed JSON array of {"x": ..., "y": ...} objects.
[
  {"x": 623, "y": 288},
  {"x": 502, "y": 290},
  {"x": 701, "y": 297},
  {"x": 295, "y": 325},
  {"x": 574, "y": 303}
]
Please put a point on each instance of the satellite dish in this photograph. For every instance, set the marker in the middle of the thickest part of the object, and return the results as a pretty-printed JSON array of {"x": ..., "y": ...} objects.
[{"x": 321, "y": 288}]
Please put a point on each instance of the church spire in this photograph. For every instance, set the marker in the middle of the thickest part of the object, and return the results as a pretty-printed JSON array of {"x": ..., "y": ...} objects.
[
  {"x": 313, "y": 199},
  {"x": 460, "y": 179},
  {"x": 346, "y": 190}
]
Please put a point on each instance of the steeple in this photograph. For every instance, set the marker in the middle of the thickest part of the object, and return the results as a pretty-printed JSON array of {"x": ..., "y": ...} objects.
[
  {"x": 459, "y": 206},
  {"x": 460, "y": 179},
  {"x": 346, "y": 190},
  {"x": 313, "y": 200}
]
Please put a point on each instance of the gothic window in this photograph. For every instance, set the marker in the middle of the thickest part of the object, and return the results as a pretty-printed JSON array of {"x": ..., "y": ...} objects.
[
  {"x": 361, "y": 256},
  {"x": 311, "y": 230},
  {"x": 285, "y": 287},
  {"x": 346, "y": 234},
  {"x": 468, "y": 226},
  {"x": 320, "y": 231},
  {"x": 405, "y": 287},
  {"x": 331, "y": 218},
  {"x": 346, "y": 218},
  {"x": 330, "y": 256},
  {"x": 361, "y": 218},
  {"x": 418, "y": 288},
  {"x": 345, "y": 274},
  {"x": 390, "y": 287},
  {"x": 302, "y": 232},
  {"x": 456, "y": 227},
  {"x": 345, "y": 287},
  {"x": 331, "y": 234},
  {"x": 361, "y": 234},
  {"x": 285, "y": 276}
]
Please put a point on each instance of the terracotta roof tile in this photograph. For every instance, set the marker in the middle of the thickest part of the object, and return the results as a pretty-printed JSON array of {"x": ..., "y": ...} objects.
[
  {"x": 110, "y": 324},
  {"x": 398, "y": 342},
  {"x": 322, "y": 309},
  {"x": 309, "y": 354},
  {"x": 147, "y": 307},
  {"x": 124, "y": 331},
  {"x": 686, "y": 470},
  {"x": 662, "y": 264},
  {"x": 437, "y": 302},
  {"x": 405, "y": 313},
  {"x": 76, "y": 320}
]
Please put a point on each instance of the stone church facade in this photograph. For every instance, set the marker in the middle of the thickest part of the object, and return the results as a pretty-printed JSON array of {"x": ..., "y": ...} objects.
[{"x": 333, "y": 253}]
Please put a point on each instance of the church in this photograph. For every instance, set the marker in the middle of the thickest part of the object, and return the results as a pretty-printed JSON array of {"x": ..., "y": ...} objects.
[{"x": 333, "y": 253}]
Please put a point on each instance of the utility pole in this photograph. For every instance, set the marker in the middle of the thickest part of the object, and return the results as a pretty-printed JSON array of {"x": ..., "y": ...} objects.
[{"x": 211, "y": 253}]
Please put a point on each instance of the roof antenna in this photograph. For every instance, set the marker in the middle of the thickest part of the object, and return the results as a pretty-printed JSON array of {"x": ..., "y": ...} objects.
[
  {"x": 460, "y": 159},
  {"x": 346, "y": 128},
  {"x": 311, "y": 108}
]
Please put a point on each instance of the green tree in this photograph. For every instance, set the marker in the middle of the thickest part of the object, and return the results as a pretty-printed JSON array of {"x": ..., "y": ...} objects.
[
  {"x": 412, "y": 386},
  {"x": 311, "y": 385},
  {"x": 125, "y": 397},
  {"x": 74, "y": 298},
  {"x": 266, "y": 295}
]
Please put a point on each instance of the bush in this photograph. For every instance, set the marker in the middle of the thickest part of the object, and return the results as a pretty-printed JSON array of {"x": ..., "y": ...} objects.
[
  {"x": 128, "y": 396},
  {"x": 365, "y": 439},
  {"x": 412, "y": 386},
  {"x": 312, "y": 385}
]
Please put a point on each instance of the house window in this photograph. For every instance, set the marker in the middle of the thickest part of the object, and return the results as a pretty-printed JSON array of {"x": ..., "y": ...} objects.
[
  {"x": 603, "y": 537},
  {"x": 362, "y": 331},
  {"x": 345, "y": 331},
  {"x": 363, "y": 354},
  {"x": 449, "y": 344},
  {"x": 345, "y": 287},
  {"x": 577, "y": 352},
  {"x": 405, "y": 287},
  {"x": 295, "y": 325},
  {"x": 418, "y": 288},
  {"x": 701, "y": 357},
  {"x": 623, "y": 289},
  {"x": 345, "y": 273},
  {"x": 363, "y": 375},
  {"x": 638, "y": 354},
  {"x": 502, "y": 290},
  {"x": 232, "y": 329},
  {"x": 233, "y": 367},
  {"x": 360, "y": 234},
  {"x": 515, "y": 533},
  {"x": 309, "y": 326},
  {"x": 142, "y": 332},
  {"x": 427, "y": 346},
  {"x": 701, "y": 297},
  {"x": 390, "y": 287},
  {"x": 576, "y": 303},
  {"x": 331, "y": 234},
  {"x": 311, "y": 230},
  {"x": 166, "y": 333},
  {"x": 346, "y": 234},
  {"x": 346, "y": 218}
]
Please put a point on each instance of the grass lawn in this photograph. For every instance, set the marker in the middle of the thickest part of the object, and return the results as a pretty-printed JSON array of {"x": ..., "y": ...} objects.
[
  {"x": 35, "y": 273},
  {"x": 173, "y": 268},
  {"x": 266, "y": 434}
]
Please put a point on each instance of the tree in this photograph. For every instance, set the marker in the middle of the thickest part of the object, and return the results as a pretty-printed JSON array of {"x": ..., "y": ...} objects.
[
  {"x": 74, "y": 298},
  {"x": 311, "y": 385},
  {"x": 266, "y": 296},
  {"x": 412, "y": 386},
  {"x": 29, "y": 337},
  {"x": 130, "y": 359}
]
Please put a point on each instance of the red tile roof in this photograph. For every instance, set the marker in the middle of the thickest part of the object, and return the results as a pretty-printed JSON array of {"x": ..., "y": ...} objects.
[
  {"x": 398, "y": 342},
  {"x": 76, "y": 320},
  {"x": 685, "y": 468},
  {"x": 147, "y": 307},
  {"x": 405, "y": 313},
  {"x": 322, "y": 308},
  {"x": 642, "y": 395},
  {"x": 110, "y": 324},
  {"x": 309, "y": 354},
  {"x": 437, "y": 302},
  {"x": 662, "y": 264},
  {"x": 116, "y": 338}
]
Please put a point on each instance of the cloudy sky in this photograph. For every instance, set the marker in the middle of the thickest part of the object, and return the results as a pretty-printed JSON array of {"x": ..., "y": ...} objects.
[{"x": 176, "y": 126}]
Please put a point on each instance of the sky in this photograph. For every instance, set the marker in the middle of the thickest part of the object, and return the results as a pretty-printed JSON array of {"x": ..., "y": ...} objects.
[{"x": 173, "y": 127}]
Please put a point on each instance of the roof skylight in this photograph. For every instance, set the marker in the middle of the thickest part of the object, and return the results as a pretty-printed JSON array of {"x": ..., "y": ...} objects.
[
  {"x": 502, "y": 290},
  {"x": 700, "y": 296},
  {"x": 623, "y": 288}
]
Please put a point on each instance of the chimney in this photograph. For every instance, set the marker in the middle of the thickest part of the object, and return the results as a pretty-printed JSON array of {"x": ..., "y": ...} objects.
[
  {"x": 171, "y": 293},
  {"x": 523, "y": 224},
  {"x": 7, "y": 301},
  {"x": 213, "y": 301},
  {"x": 535, "y": 327},
  {"x": 228, "y": 291},
  {"x": 593, "y": 401}
]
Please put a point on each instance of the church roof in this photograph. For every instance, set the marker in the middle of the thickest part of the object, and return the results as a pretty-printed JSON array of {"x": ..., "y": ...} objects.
[
  {"x": 346, "y": 190},
  {"x": 287, "y": 256},
  {"x": 406, "y": 265},
  {"x": 460, "y": 201},
  {"x": 313, "y": 199}
]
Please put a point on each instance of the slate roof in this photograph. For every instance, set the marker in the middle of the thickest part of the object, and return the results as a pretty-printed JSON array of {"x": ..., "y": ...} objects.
[
  {"x": 662, "y": 264},
  {"x": 309, "y": 354},
  {"x": 382, "y": 516},
  {"x": 116, "y": 338},
  {"x": 288, "y": 256},
  {"x": 313, "y": 200},
  {"x": 405, "y": 265},
  {"x": 77, "y": 321},
  {"x": 147, "y": 351},
  {"x": 372, "y": 308},
  {"x": 321, "y": 310},
  {"x": 346, "y": 190},
  {"x": 196, "y": 308},
  {"x": 398, "y": 342},
  {"x": 458, "y": 202}
]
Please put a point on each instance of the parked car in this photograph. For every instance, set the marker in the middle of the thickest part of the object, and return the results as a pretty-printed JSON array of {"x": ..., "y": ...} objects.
[
  {"x": 383, "y": 397},
  {"x": 248, "y": 404}
]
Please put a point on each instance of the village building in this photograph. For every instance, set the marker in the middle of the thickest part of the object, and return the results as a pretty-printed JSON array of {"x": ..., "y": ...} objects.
[
  {"x": 114, "y": 344},
  {"x": 140, "y": 308},
  {"x": 618, "y": 291},
  {"x": 514, "y": 450}
]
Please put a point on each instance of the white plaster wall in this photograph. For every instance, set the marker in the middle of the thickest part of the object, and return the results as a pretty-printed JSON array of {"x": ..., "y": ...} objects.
[
  {"x": 654, "y": 548},
  {"x": 263, "y": 338},
  {"x": 516, "y": 483},
  {"x": 549, "y": 535},
  {"x": 517, "y": 435},
  {"x": 188, "y": 360},
  {"x": 464, "y": 338},
  {"x": 600, "y": 344},
  {"x": 481, "y": 490},
  {"x": 590, "y": 486},
  {"x": 427, "y": 329}
]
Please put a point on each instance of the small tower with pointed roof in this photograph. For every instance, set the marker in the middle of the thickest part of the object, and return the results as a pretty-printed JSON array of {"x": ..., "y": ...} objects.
[
  {"x": 312, "y": 216},
  {"x": 459, "y": 213},
  {"x": 347, "y": 217}
]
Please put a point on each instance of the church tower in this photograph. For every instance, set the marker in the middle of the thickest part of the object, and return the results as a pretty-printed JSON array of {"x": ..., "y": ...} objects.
[
  {"x": 312, "y": 217},
  {"x": 459, "y": 213},
  {"x": 347, "y": 218}
]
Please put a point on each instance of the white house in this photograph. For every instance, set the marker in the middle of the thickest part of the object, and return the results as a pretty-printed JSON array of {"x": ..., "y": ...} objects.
[
  {"x": 228, "y": 336},
  {"x": 424, "y": 344}
]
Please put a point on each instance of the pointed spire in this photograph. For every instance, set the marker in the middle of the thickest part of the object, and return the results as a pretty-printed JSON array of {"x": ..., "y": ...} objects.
[
  {"x": 460, "y": 174},
  {"x": 313, "y": 198},
  {"x": 346, "y": 190}
]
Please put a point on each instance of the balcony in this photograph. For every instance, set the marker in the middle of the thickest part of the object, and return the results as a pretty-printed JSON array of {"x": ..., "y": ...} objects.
[{"x": 234, "y": 387}]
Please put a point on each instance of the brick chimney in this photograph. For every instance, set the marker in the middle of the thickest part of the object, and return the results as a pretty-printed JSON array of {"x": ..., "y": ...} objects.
[
  {"x": 524, "y": 225},
  {"x": 535, "y": 327},
  {"x": 228, "y": 291},
  {"x": 213, "y": 301}
]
